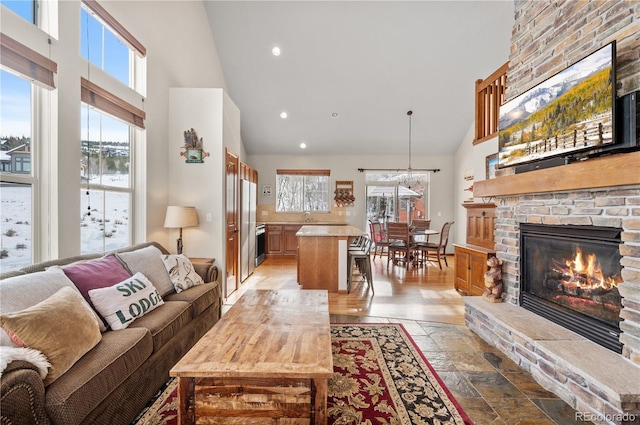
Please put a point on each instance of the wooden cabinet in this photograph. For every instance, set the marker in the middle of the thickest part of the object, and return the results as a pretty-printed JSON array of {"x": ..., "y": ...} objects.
[
  {"x": 471, "y": 265},
  {"x": 290, "y": 240},
  {"x": 471, "y": 258},
  {"x": 281, "y": 239},
  {"x": 480, "y": 224},
  {"x": 248, "y": 173},
  {"x": 274, "y": 239}
]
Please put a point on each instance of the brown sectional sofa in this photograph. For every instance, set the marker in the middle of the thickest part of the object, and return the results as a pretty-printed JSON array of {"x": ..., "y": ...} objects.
[{"x": 112, "y": 383}]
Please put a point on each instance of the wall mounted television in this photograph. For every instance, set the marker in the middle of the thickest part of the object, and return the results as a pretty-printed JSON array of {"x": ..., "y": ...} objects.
[{"x": 571, "y": 112}]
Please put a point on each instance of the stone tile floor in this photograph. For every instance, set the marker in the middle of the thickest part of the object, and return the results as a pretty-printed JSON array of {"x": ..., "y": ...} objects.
[{"x": 489, "y": 386}]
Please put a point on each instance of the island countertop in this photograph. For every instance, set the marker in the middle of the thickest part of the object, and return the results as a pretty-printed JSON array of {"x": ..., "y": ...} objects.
[{"x": 316, "y": 230}]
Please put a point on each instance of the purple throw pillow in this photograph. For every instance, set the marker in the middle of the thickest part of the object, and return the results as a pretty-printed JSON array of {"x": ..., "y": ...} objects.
[{"x": 93, "y": 274}]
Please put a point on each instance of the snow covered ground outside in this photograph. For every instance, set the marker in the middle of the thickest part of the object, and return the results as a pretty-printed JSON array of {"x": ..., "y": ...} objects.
[
  {"x": 15, "y": 226},
  {"x": 16, "y": 239}
]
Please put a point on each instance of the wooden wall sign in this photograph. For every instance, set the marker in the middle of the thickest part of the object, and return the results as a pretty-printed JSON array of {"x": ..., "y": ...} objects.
[{"x": 193, "y": 151}]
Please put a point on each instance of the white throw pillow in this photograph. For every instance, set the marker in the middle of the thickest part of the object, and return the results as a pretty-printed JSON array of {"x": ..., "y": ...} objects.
[
  {"x": 124, "y": 302},
  {"x": 147, "y": 261},
  {"x": 181, "y": 272}
]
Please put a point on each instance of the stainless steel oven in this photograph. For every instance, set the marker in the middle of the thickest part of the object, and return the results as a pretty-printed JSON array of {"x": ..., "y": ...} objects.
[{"x": 261, "y": 240}]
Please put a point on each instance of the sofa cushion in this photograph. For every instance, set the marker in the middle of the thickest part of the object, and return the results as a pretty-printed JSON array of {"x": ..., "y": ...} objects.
[
  {"x": 201, "y": 297},
  {"x": 94, "y": 274},
  {"x": 165, "y": 322},
  {"x": 181, "y": 272},
  {"x": 148, "y": 262},
  {"x": 11, "y": 273},
  {"x": 24, "y": 291},
  {"x": 126, "y": 301},
  {"x": 79, "y": 391},
  {"x": 62, "y": 327}
]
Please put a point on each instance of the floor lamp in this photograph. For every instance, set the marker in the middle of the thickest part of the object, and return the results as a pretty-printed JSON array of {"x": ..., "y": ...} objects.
[{"x": 179, "y": 217}]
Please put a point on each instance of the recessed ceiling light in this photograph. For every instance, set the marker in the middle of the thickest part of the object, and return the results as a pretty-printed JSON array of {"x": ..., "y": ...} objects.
[
  {"x": 303, "y": 145},
  {"x": 275, "y": 51},
  {"x": 283, "y": 115},
  {"x": 335, "y": 115}
]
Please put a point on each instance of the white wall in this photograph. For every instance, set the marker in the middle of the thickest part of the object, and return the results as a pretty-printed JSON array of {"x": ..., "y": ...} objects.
[
  {"x": 469, "y": 156},
  {"x": 346, "y": 168},
  {"x": 198, "y": 184},
  {"x": 181, "y": 53}
]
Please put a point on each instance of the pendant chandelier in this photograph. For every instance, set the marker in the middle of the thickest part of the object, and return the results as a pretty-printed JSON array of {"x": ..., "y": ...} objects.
[{"x": 410, "y": 180}]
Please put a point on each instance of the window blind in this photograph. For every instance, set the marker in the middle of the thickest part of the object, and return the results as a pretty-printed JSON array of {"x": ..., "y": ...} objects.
[
  {"x": 96, "y": 96},
  {"x": 27, "y": 62},
  {"x": 305, "y": 172}
]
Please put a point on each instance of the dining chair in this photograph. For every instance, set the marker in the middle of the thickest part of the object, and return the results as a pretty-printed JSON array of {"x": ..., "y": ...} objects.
[
  {"x": 379, "y": 238},
  {"x": 417, "y": 225},
  {"x": 436, "y": 252},
  {"x": 400, "y": 242},
  {"x": 420, "y": 224}
]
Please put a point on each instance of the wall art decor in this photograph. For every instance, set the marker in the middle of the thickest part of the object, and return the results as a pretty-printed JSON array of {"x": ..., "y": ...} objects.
[
  {"x": 491, "y": 164},
  {"x": 193, "y": 151}
]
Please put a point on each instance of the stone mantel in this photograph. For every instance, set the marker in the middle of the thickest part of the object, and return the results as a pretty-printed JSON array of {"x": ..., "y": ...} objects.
[{"x": 606, "y": 171}]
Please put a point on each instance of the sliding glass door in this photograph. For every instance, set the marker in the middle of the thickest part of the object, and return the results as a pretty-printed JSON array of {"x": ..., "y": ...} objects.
[{"x": 390, "y": 198}]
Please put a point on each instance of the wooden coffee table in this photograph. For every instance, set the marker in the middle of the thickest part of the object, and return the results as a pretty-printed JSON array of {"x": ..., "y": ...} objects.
[{"x": 268, "y": 358}]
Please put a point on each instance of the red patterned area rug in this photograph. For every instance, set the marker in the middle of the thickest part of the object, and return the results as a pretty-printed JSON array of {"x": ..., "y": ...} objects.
[{"x": 380, "y": 377}]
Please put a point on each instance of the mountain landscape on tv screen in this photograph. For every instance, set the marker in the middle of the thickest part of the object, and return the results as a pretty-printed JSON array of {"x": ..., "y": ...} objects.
[{"x": 570, "y": 111}]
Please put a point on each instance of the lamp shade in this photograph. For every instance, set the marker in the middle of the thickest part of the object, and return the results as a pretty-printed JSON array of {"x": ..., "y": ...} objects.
[{"x": 178, "y": 217}]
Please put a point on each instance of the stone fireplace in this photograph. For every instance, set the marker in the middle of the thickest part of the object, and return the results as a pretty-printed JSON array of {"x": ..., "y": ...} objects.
[
  {"x": 613, "y": 208},
  {"x": 570, "y": 276},
  {"x": 602, "y": 192},
  {"x": 588, "y": 376}
]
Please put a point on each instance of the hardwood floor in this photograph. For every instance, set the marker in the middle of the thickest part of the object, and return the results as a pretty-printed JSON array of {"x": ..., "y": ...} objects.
[
  {"x": 417, "y": 293},
  {"x": 488, "y": 385}
]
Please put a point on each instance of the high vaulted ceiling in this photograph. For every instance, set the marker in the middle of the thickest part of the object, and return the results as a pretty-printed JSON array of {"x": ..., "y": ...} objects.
[{"x": 367, "y": 62}]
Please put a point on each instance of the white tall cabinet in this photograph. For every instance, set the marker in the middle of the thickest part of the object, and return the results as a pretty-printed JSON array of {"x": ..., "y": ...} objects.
[{"x": 216, "y": 119}]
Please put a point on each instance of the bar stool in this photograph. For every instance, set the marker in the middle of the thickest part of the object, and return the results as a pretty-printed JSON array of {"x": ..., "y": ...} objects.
[
  {"x": 360, "y": 258},
  {"x": 357, "y": 243}
]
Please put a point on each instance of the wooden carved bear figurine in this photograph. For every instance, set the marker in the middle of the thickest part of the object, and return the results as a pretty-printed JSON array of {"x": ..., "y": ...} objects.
[{"x": 493, "y": 281}]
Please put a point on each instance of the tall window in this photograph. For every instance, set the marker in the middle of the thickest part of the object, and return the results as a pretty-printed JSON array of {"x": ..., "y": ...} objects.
[
  {"x": 107, "y": 190},
  {"x": 108, "y": 131},
  {"x": 24, "y": 8},
  {"x": 108, "y": 45},
  {"x": 103, "y": 48},
  {"x": 42, "y": 14},
  {"x": 302, "y": 190},
  {"x": 16, "y": 179}
]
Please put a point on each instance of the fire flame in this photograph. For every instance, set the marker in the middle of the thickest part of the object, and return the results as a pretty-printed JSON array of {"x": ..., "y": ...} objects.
[{"x": 584, "y": 274}]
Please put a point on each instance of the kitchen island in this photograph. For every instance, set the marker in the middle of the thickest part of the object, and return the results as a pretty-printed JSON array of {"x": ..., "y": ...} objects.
[{"x": 322, "y": 256}]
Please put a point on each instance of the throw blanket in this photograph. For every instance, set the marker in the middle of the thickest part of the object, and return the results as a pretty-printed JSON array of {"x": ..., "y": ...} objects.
[{"x": 35, "y": 357}]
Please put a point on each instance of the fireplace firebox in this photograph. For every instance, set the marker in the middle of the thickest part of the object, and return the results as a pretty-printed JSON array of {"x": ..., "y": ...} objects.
[{"x": 569, "y": 275}]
